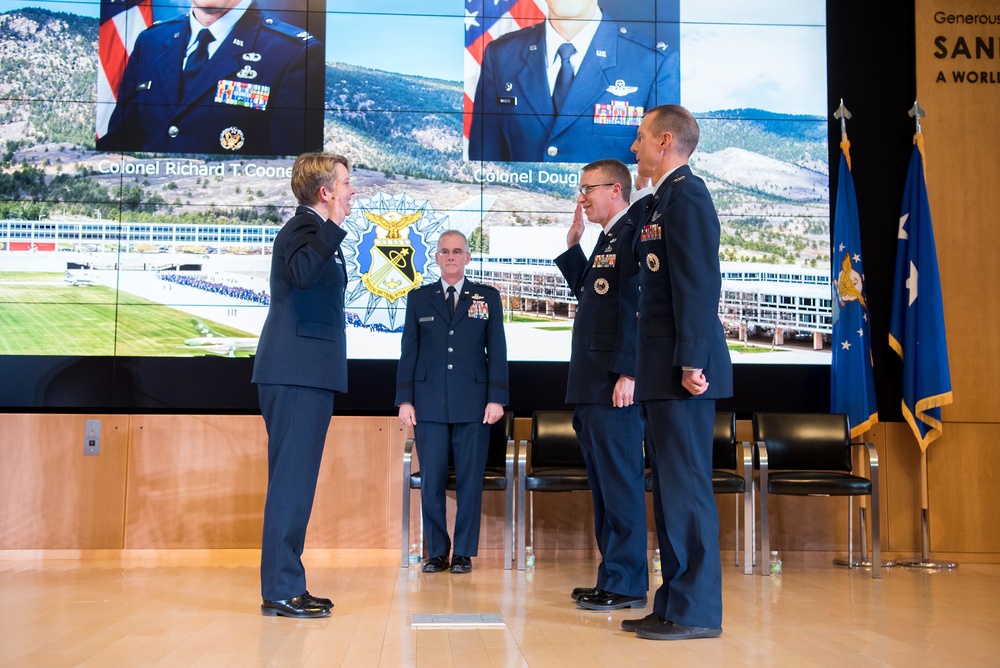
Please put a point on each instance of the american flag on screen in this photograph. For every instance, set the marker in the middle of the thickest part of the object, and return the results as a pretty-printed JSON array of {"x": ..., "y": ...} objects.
[
  {"x": 485, "y": 20},
  {"x": 121, "y": 23}
]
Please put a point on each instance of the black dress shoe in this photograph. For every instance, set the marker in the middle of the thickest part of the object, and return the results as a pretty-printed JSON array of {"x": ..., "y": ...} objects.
[
  {"x": 325, "y": 602},
  {"x": 608, "y": 600},
  {"x": 651, "y": 619},
  {"x": 670, "y": 631},
  {"x": 583, "y": 591},
  {"x": 301, "y": 606},
  {"x": 461, "y": 564},
  {"x": 435, "y": 564}
]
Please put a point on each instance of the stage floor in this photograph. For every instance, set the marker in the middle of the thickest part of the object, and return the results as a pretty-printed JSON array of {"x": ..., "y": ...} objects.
[{"x": 201, "y": 608}]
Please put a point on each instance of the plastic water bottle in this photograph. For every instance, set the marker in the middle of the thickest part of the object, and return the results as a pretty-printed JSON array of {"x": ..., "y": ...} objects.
[
  {"x": 414, "y": 559},
  {"x": 774, "y": 566},
  {"x": 656, "y": 561},
  {"x": 529, "y": 558}
]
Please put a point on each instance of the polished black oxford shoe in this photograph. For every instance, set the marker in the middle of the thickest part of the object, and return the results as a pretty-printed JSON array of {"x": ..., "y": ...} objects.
[
  {"x": 325, "y": 602},
  {"x": 461, "y": 564},
  {"x": 435, "y": 564},
  {"x": 651, "y": 619},
  {"x": 583, "y": 591},
  {"x": 301, "y": 606},
  {"x": 670, "y": 631},
  {"x": 608, "y": 600}
]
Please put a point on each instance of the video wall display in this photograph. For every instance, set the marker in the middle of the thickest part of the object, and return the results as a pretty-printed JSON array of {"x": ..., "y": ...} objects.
[{"x": 146, "y": 148}]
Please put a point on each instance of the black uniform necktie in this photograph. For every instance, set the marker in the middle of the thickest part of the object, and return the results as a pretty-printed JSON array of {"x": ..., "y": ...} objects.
[
  {"x": 565, "y": 77},
  {"x": 451, "y": 300},
  {"x": 196, "y": 61}
]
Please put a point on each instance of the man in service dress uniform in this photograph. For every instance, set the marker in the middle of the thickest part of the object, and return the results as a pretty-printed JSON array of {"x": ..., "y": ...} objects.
[
  {"x": 451, "y": 385},
  {"x": 570, "y": 89},
  {"x": 683, "y": 367},
  {"x": 601, "y": 384},
  {"x": 224, "y": 78}
]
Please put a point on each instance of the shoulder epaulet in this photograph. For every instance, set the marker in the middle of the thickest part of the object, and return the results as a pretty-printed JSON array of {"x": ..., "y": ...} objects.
[
  {"x": 287, "y": 29},
  {"x": 180, "y": 18},
  {"x": 643, "y": 40}
]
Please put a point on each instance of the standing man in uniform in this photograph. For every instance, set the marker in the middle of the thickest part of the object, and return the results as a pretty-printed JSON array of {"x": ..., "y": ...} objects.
[
  {"x": 601, "y": 384},
  {"x": 683, "y": 367},
  {"x": 301, "y": 362},
  {"x": 569, "y": 89},
  {"x": 224, "y": 78},
  {"x": 451, "y": 385}
]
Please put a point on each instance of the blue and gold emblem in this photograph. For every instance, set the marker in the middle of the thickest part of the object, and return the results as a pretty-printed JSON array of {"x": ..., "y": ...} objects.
[{"x": 389, "y": 249}]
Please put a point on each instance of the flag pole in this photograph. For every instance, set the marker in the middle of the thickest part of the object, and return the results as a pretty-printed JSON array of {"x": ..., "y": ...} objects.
[
  {"x": 925, "y": 559},
  {"x": 916, "y": 113},
  {"x": 843, "y": 114}
]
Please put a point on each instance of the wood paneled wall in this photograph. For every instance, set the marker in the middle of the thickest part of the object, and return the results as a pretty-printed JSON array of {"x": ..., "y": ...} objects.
[{"x": 199, "y": 482}]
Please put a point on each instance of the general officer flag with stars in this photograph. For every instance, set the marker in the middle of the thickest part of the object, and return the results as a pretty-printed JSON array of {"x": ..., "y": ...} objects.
[
  {"x": 916, "y": 332},
  {"x": 852, "y": 383}
]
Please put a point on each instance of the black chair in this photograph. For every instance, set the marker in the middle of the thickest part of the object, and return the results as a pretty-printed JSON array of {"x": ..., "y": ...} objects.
[
  {"x": 551, "y": 462},
  {"x": 732, "y": 473},
  {"x": 809, "y": 454},
  {"x": 499, "y": 477}
]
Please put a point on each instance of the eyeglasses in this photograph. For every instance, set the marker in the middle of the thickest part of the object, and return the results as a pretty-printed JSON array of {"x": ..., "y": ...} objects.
[{"x": 585, "y": 190}]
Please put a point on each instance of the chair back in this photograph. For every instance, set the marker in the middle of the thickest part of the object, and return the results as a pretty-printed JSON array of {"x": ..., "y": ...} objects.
[
  {"x": 500, "y": 433},
  {"x": 724, "y": 442},
  {"x": 553, "y": 441},
  {"x": 804, "y": 441}
]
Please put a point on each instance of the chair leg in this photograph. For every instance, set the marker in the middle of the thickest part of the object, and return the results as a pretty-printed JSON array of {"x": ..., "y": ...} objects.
[
  {"x": 765, "y": 535},
  {"x": 850, "y": 533},
  {"x": 749, "y": 532},
  {"x": 519, "y": 548},
  {"x": 864, "y": 533},
  {"x": 736, "y": 546},
  {"x": 405, "y": 550}
]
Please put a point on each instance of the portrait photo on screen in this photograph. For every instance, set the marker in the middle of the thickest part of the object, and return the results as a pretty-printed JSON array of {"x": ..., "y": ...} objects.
[
  {"x": 565, "y": 80},
  {"x": 158, "y": 242},
  {"x": 209, "y": 77}
]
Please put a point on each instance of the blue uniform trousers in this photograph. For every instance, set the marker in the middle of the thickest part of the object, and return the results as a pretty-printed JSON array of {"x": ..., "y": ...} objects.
[
  {"x": 297, "y": 419},
  {"x": 611, "y": 441},
  {"x": 468, "y": 443},
  {"x": 679, "y": 440}
]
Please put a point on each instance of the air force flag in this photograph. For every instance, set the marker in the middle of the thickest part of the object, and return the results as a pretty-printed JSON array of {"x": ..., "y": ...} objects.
[
  {"x": 852, "y": 384},
  {"x": 917, "y": 332}
]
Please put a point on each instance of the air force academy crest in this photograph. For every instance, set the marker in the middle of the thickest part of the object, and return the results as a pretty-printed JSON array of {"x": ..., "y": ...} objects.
[{"x": 391, "y": 240}]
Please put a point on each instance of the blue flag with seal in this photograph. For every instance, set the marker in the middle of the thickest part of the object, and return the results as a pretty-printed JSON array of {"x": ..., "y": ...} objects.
[
  {"x": 852, "y": 382},
  {"x": 917, "y": 332}
]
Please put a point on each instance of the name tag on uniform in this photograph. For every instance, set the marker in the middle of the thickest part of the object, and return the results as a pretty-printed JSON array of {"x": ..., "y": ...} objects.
[
  {"x": 509, "y": 100},
  {"x": 242, "y": 94},
  {"x": 429, "y": 318}
]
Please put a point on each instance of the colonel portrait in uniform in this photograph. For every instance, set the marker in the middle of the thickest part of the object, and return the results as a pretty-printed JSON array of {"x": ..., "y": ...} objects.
[
  {"x": 572, "y": 87},
  {"x": 223, "y": 76}
]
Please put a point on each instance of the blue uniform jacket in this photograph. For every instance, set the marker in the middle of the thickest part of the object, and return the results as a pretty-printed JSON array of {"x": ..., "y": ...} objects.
[
  {"x": 250, "y": 97},
  {"x": 604, "y": 329},
  {"x": 303, "y": 341},
  {"x": 677, "y": 247},
  {"x": 450, "y": 368},
  {"x": 513, "y": 113}
]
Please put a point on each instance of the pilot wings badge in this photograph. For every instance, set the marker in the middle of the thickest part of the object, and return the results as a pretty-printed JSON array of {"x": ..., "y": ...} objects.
[
  {"x": 391, "y": 273},
  {"x": 619, "y": 88},
  {"x": 850, "y": 283}
]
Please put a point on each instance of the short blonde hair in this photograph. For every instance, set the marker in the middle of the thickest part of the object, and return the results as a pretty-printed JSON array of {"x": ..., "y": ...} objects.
[{"x": 311, "y": 172}]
